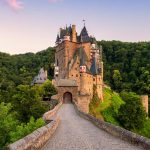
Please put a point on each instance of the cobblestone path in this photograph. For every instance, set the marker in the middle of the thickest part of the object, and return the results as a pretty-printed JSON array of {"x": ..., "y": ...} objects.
[{"x": 76, "y": 133}]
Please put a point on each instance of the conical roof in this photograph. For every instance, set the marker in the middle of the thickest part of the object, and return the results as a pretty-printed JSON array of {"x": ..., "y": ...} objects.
[
  {"x": 84, "y": 37},
  {"x": 93, "y": 68},
  {"x": 84, "y": 32},
  {"x": 57, "y": 39}
]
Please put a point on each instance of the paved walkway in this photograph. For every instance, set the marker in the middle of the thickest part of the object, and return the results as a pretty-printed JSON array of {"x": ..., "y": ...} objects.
[{"x": 76, "y": 133}]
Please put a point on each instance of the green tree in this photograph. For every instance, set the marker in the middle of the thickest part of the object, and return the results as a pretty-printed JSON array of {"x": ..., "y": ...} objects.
[
  {"x": 24, "y": 129},
  {"x": 131, "y": 115},
  {"x": 8, "y": 123},
  {"x": 116, "y": 80},
  {"x": 48, "y": 89},
  {"x": 27, "y": 102}
]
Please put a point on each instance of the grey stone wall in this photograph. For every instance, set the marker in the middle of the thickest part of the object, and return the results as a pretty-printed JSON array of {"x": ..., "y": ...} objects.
[{"x": 117, "y": 131}]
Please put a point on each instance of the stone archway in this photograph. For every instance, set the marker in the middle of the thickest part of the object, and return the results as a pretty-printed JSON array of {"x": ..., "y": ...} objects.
[{"x": 67, "y": 98}]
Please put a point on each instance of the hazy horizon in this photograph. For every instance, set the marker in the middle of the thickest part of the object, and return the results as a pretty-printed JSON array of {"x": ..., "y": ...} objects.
[
  {"x": 32, "y": 26},
  {"x": 54, "y": 46}
]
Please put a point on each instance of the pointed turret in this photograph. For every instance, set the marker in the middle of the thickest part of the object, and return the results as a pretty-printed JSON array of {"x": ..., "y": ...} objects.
[
  {"x": 57, "y": 39},
  {"x": 84, "y": 37}
]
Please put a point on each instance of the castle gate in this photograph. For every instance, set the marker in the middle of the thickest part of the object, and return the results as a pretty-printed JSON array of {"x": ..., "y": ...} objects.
[{"x": 67, "y": 97}]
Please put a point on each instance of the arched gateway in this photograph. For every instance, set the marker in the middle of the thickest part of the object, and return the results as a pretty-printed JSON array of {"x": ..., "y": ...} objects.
[
  {"x": 67, "y": 98},
  {"x": 67, "y": 90}
]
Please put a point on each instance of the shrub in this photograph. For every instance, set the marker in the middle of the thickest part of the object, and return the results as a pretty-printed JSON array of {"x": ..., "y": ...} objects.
[
  {"x": 24, "y": 129},
  {"x": 131, "y": 115},
  {"x": 145, "y": 131}
]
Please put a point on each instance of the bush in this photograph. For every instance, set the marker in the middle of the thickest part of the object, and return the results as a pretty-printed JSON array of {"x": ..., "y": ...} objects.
[
  {"x": 27, "y": 102},
  {"x": 145, "y": 131},
  {"x": 95, "y": 102},
  {"x": 24, "y": 129},
  {"x": 8, "y": 123},
  {"x": 11, "y": 129},
  {"x": 131, "y": 115},
  {"x": 48, "y": 89},
  {"x": 110, "y": 113}
]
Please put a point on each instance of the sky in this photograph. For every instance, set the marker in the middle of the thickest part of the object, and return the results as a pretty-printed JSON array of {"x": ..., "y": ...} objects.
[{"x": 32, "y": 25}]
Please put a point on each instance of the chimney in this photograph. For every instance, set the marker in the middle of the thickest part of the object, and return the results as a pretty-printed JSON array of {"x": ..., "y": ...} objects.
[{"x": 74, "y": 34}]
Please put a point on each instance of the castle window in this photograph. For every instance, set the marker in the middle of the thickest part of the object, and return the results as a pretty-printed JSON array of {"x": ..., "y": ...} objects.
[
  {"x": 72, "y": 75},
  {"x": 93, "y": 79},
  {"x": 76, "y": 75}
]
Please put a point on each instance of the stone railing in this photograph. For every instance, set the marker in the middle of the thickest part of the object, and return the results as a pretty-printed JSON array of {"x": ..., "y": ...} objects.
[
  {"x": 117, "y": 131},
  {"x": 50, "y": 114},
  {"x": 39, "y": 137}
]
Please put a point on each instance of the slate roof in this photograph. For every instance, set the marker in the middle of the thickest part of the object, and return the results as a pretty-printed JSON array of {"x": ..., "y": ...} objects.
[
  {"x": 40, "y": 78},
  {"x": 84, "y": 37},
  {"x": 57, "y": 39}
]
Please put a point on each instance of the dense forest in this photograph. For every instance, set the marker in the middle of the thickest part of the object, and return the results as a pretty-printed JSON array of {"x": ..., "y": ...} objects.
[
  {"x": 22, "y": 105},
  {"x": 126, "y": 70},
  {"x": 127, "y": 66}
]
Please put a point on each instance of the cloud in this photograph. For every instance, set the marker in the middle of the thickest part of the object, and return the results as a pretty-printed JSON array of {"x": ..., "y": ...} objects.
[
  {"x": 18, "y": 5},
  {"x": 15, "y": 4}
]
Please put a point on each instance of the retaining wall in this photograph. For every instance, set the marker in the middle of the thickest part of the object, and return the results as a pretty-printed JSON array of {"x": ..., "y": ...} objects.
[{"x": 117, "y": 131}]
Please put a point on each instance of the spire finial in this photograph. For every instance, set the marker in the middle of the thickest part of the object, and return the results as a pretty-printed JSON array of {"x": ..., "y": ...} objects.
[{"x": 84, "y": 22}]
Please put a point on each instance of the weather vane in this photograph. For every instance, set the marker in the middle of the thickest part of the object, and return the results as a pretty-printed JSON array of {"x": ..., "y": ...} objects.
[{"x": 84, "y": 21}]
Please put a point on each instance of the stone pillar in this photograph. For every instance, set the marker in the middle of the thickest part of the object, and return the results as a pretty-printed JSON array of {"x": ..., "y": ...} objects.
[
  {"x": 74, "y": 34},
  {"x": 99, "y": 86},
  {"x": 144, "y": 99}
]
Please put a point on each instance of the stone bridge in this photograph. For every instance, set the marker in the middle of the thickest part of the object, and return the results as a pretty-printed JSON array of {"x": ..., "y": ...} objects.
[
  {"x": 77, "y": 130},
  {"x": 76, "y": 133}
]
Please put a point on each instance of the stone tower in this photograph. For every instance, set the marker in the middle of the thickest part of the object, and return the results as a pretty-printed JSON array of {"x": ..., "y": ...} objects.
[
  {"x": 144, "y": 100},
  {"x": 78, "y": 65}
]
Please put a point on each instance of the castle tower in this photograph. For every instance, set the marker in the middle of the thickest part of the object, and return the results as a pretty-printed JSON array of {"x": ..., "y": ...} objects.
[{"x": 97, "y": 68}]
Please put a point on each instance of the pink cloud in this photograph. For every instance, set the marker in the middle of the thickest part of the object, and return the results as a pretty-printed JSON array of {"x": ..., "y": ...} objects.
[
  {"x": 18, "y": 5},
  {"x": 15, "y": 4}
]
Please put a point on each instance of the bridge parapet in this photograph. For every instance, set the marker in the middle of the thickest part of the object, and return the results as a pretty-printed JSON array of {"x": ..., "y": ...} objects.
[
  {"x": 50, "y": 114},
  {"x": 39, "y": 137},
  {"x": 116, "y": 130}
]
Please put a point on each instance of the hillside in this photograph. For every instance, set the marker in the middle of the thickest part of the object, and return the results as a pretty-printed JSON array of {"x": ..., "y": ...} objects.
[
  {"x": 20, "y": 69},
  {"x": 127, "y": 66},
  {"x": 21, "y": 104}
]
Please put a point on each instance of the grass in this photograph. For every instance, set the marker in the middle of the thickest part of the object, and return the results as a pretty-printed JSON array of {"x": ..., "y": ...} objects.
[{"x": 107, "y": 109}]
